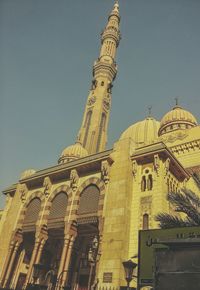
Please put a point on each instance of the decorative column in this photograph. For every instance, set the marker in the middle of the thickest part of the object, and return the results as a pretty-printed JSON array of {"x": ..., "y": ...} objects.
[
  {"x": 16, "y": 241},
  {"x": 63, "y": 258},
  {"x": 10, "y": 265},
  {"x": 40, "y": 239},
  {"x": 67, "y": 261},
  {"x": 70, "y": 236},
  {"x": 8, "y": 258}
]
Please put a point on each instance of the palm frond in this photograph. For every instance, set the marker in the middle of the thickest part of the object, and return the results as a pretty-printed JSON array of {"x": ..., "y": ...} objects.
[
  {"x": 167, "y": 221},
  {"x": 186, "y": 202}
]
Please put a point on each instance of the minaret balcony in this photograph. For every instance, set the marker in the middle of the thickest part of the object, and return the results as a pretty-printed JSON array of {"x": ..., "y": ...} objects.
[
  {"x": 101, "y": 68},
  {"x": 110, "y": 33}
]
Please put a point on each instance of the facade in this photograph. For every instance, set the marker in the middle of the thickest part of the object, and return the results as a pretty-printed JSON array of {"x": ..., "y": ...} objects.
[{"x": 80, "y": 219}]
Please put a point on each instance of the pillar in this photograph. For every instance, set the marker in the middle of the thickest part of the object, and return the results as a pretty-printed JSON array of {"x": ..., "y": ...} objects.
[
  {"x": 8, "y": 258},
  {"x": 63, "y": 258},
  {"x": 67, "y": 261},
  {"x": 10, "y": 263},
  {"x": 32, "y": 262},
  {"x": 41, "y": 237}
]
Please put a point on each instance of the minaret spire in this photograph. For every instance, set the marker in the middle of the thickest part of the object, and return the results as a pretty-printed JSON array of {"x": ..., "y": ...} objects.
[{"x": 93, "y": 131}]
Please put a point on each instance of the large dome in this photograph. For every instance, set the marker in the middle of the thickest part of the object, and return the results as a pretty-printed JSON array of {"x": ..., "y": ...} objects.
[
  {"x": 143, "y": 132},
  {"x": 72, "y": 152},
  {"x": 177, "y": 118}
]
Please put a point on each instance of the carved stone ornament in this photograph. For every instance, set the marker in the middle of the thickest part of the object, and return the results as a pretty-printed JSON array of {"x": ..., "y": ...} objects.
[
  {"x": 105, "y": 170},
  {"x": 174, "y": 137},
  {"x": 47, "y": 186},
  {"x": 167, "y": 163},
  {"x": 23, "y": 192},
  {"x": 94, "y": 84},
  {"x": 109, "y": 90},
  {"x": 156, "y": 163},
  {"x": 74, "y": 178},
  {"x": 106, "y": 103},
  {"x": 91, "y": 100},
  {"x": 134, "y": 167}
]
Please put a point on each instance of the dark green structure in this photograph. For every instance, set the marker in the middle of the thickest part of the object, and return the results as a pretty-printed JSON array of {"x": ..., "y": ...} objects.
[{"x": 169, "y": 259}]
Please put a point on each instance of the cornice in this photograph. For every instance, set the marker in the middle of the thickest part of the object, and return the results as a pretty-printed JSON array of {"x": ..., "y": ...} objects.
[
  {"x": 59, "y": 172},
  {"x": 10, "y": 190},
  {"x": 181, "y": 148},
  {"x": 146, "y": 154}
]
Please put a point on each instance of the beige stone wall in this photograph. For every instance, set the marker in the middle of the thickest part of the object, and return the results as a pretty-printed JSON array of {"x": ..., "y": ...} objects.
[
  {"x": 8, "y": 223},
  {"x": 117, "y": 216}
]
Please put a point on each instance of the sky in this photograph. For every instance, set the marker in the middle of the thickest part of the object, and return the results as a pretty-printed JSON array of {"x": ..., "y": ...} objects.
[{"x": 47, "y": 49}]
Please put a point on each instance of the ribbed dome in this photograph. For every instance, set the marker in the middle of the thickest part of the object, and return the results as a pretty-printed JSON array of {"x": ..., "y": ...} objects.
[
  {"x": 177, "y": 118},
  {"x": 143, "y": 132},
  {"x": 72, "y": 152},
  {"x": 27, "y": 173}
]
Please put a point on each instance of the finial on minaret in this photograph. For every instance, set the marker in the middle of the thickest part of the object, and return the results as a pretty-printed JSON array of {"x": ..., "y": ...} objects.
[
  {"x": 176, "y": 99},
  {"x": 116, "y": 7},
  {"x": 149, "y": 111}
]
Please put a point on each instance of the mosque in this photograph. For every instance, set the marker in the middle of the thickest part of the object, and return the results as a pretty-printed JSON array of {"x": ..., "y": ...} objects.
[{"x": 80, "y": 218}]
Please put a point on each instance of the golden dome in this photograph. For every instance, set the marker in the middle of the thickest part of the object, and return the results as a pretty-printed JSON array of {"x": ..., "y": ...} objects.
[
  {"x": 72, "y": 152},
  {"x": 177, "y": 118},
  {"x": 27, "y": 173},
  {"x": 143, "y": 132}
]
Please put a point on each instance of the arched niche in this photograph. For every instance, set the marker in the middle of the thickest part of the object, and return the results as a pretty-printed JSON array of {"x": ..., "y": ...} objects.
[
  {"x": 89, "y": 200},
  {"x": 32, "y": 212},
  {"x": 58, "y": 209}
]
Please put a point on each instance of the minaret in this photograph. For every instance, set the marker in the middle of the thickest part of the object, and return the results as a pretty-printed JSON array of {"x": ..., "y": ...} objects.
[{"x": 93, "y": 131}]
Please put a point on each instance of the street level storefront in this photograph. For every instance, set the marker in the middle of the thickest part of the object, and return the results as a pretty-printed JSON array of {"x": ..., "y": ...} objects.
[{"x": 169, "y": 259}]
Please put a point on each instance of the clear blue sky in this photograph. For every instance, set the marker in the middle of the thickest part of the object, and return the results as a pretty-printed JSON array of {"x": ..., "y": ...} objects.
[{"x": 47, "y": 48}]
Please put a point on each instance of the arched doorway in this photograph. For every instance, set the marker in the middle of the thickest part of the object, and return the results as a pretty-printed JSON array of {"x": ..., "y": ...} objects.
[
  {"x": 24, "y": 253},
  {"x": 52, "y": 251},
  {"x": 82, "y": 268}
]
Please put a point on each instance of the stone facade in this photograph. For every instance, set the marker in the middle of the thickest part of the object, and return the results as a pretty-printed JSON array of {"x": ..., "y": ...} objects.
[{"x": 54, "y": 216}]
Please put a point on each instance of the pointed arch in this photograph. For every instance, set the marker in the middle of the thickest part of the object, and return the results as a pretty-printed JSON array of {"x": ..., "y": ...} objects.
[
  {"x": 91, "y": 181},
  {"x": 36, "y": 194},
  {"x": 60, "y": 189}
]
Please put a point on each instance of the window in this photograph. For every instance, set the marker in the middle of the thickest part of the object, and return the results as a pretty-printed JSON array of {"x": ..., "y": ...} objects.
[
  {"x": 89, "y": 200},
  {"x": 32, "y": 211},
  {"x": 143, "y": 183},
  {"x": 149, "y": 182},
  {"x": 58, "y": 207},
  {"x": 87, "y": 126},
  {"x": 145, "y": 224},
  {"x": 102, "y": 128}
]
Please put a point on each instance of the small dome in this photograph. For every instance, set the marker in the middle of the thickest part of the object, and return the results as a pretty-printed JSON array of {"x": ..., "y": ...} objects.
[
  {"x": 72, "y": 152},
  {"x": 177, "y": 118},
  {"x": 27, "y": 173},
  {"x": 143, "y": 132}
]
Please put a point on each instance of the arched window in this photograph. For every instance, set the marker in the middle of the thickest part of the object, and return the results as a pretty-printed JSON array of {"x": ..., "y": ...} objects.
[
  {"x": 145, "y": 223},
  {"x": 102, "y": 128},
  {"x": 150, "y": 182},
  {"x": 143, "y": 183},
  {"x": 58, "y": 207},
  {"x": 89, "y": 200},
  {"x": 87, "y": 126},
  {"x": 32, "y": 211}
]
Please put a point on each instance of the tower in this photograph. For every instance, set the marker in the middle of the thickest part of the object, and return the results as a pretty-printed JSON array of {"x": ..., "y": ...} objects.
[{"x": 93, "y": 131}]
